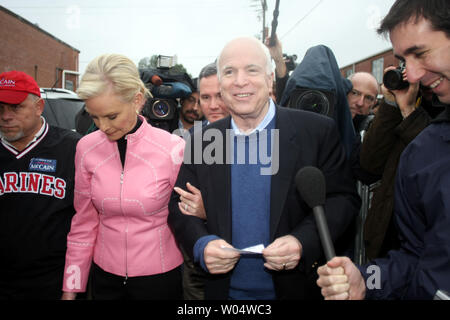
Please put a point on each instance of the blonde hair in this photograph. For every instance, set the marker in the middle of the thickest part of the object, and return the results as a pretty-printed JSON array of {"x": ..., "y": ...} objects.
[{"x": 113, "y": 71}]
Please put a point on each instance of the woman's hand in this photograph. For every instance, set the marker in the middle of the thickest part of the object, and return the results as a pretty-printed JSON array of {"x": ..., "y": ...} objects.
[{"x": 191, "y": 203}]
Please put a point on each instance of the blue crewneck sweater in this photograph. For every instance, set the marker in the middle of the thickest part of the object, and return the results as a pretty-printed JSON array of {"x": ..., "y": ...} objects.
[
  {"x": 250, "y": 194},
  {"x": 250, "y": 211}
]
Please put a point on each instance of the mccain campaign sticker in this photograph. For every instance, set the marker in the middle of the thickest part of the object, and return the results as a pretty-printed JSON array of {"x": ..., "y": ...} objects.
[{"x": 42, "y": 165}]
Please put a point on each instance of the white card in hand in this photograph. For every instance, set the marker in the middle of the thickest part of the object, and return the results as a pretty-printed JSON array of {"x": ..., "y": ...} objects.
[{"x": 250, "y": 250}]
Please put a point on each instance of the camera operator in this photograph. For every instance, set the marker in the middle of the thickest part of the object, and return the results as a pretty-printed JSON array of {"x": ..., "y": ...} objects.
[
  {"x": 403, "y": 114},
  {"x": 317, "y": 85},
  {"x": 190, "y": 111}
]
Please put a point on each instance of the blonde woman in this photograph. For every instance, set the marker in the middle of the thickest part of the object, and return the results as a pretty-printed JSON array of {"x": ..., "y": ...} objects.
[{"x": 124, "y": 176}]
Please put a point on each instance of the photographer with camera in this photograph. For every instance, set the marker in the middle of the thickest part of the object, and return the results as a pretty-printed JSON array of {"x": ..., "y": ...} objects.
[
  {"x": 420, "y": 35},
  {"x": 399, "y": 120}
]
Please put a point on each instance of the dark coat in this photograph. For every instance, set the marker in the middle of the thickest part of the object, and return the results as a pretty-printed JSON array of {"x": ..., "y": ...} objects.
[
  {"x": 305, "y": 139},
  {"x": 382, "y": 146}
]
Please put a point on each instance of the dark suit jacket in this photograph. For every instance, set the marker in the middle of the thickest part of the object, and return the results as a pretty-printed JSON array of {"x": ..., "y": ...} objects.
[{"x": 305, "y": 139}]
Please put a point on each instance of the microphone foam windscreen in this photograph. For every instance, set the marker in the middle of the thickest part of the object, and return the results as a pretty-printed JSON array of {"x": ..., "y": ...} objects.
[
  {"x": 156, "y": 80},
  {"x": 310, "y": 183}
]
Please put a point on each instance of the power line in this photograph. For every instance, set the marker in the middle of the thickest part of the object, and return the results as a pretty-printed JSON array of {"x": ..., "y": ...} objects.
[{"x": 303, "y": 18}]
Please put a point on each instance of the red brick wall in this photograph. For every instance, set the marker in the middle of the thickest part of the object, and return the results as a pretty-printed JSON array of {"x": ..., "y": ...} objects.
[
  {"x": 27, "y": 48},
  {"x": 366, "y": 65}
]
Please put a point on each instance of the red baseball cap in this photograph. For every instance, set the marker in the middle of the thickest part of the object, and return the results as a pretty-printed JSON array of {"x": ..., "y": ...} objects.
[{"x": 15, "y": 87}]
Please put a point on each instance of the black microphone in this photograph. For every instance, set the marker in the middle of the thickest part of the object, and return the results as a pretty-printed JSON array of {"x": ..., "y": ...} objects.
[{"x": 310, "y": 184}]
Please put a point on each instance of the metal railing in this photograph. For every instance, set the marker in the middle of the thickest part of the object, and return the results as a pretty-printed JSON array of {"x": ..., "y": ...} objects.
[{"x": 365, "y": 192}]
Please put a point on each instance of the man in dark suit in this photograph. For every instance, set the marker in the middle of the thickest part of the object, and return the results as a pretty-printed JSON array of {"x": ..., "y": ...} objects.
[{"x": 250, "y": 198}]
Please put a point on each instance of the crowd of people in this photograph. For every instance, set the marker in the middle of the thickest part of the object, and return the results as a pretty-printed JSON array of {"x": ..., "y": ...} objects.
[{"x": 131, "y": 211}]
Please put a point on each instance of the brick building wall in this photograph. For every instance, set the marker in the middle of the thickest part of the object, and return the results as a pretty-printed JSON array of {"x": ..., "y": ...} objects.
[
  {"x": 28, "y": 48},
  {"x": 385, "y": 59}
]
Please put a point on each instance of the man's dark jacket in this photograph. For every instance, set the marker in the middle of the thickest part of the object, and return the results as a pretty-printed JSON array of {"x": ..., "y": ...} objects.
[
  {"x": 305, "y": 139},
  {"x": 422, "y": 217}
]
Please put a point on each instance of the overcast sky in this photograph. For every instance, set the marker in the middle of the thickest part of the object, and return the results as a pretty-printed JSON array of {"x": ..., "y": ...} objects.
[{"x": 196, "y": 30}]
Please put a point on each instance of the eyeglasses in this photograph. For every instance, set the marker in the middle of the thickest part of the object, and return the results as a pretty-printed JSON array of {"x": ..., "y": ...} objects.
[{"x": 368, "y": 99}]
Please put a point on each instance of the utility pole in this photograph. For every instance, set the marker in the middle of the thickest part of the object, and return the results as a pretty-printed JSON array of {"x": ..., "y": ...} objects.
[
  {"x": 260, "y": 7},
  {"x": 264, "y": 9}
]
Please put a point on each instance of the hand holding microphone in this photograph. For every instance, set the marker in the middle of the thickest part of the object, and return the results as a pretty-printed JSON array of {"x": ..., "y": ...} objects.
[{"x": 339, "y": 278}]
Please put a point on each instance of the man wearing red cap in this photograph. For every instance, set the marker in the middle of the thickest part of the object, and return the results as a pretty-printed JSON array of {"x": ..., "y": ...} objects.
[{"x": 36, "y": 192}]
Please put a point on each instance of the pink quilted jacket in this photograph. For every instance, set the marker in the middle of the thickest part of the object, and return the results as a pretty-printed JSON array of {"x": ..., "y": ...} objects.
[{"x": 121, "y": 214}]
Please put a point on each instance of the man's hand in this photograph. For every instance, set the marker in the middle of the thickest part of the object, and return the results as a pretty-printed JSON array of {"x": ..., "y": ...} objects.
[
  {"x": 283, "y": 254},
  {"x": 219, "y": 260},
  {"x": 341, "y": 280},
  {"x": 276, "y": 52}
]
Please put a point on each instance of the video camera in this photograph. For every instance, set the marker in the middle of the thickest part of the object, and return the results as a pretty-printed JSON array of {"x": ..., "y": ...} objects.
[
  {"x": 312, "y": 86},
  {"x": 167, "y": 88},
  {"x": 317, "y": 85}
]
